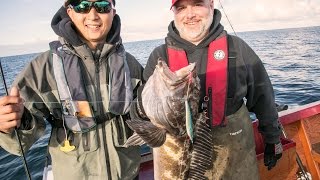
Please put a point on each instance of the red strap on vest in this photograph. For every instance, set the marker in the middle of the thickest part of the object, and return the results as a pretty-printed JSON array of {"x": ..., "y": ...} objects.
[
  {"x": 217, "y": 78},
  {"x": 216, "y": 75}
]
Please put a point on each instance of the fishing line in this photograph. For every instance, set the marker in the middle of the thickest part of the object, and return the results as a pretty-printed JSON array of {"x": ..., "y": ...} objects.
[
  {"x": 15, "y": 129},
  {"x": 92, "y": 102},
  {"x": 227, "y": 17}
]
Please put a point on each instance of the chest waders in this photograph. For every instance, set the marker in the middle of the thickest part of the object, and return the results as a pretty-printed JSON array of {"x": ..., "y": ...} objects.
[{"x": 233, "y": 148}]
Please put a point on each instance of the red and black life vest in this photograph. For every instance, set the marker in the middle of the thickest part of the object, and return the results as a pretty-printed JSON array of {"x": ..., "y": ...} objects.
[{"x": 216, "y": 76}]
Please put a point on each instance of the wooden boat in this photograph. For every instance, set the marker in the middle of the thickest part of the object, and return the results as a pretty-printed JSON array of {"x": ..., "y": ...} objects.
[{"x": 302, "y": 128}]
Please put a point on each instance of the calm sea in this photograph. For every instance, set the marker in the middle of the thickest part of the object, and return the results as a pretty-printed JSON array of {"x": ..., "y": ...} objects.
[{"x": 291, "y": 57}]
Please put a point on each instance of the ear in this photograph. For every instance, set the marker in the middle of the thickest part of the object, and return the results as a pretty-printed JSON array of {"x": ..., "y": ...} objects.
[
  {"x": 211, "y": 4},
  {"x": 69, "y": 12},
  {"x": 114, "y": 12}
]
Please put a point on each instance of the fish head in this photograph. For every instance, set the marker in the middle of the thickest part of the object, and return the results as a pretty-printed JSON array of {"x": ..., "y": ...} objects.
[{"x": 165, "y": 93}]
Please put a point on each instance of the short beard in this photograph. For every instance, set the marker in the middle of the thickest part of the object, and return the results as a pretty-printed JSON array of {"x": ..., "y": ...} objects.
[{"x": 196, "y": 35}]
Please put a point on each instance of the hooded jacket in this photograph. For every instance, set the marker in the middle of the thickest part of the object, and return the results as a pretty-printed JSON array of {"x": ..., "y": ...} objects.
[
  {"x": 247, "y": 77},
  {"x": 99, "y": 153}
]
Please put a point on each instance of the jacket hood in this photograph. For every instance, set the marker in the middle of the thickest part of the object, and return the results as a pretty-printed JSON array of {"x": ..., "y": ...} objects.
[
  {"x": 64, "y": 27},
  {"x": 214, "y": 31}
]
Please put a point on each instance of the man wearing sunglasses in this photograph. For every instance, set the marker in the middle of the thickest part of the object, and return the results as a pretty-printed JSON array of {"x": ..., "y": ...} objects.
[
  {"x": 83, "y": 86},
  {"x": 229, "y": 72}
]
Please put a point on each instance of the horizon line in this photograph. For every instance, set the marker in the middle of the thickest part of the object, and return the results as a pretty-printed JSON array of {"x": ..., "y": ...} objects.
[{"x": 135, "y": 41}]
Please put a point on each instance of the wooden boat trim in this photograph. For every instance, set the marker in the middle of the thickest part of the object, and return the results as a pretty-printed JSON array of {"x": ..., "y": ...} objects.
[
  {"x": 316, "y": 156},
  {"x": 306, "y": 144}
]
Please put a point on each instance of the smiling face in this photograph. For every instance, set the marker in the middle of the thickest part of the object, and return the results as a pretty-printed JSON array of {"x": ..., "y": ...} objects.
[
  {"x": 92, "y": 26},
  {"x": 193, "y": 18}
]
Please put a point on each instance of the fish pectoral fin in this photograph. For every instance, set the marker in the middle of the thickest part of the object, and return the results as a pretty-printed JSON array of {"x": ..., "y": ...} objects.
[
  {"x": 148, "y": 132},
  {"x": 134, "y": 140}
]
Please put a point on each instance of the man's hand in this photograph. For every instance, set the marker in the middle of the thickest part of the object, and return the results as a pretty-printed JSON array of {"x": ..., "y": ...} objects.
[
  {"x": 11, "y": 110},
  {"x": 272, "y": 153}
]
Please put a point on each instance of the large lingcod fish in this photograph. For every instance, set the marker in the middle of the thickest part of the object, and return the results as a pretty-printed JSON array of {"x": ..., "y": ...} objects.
[{"x": 179, "y": 135}]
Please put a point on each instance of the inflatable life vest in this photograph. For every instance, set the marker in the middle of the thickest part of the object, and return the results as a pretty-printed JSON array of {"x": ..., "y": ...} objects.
[
  {"x": 216, "y": 77},
  {"x": 77, "y": 112}
]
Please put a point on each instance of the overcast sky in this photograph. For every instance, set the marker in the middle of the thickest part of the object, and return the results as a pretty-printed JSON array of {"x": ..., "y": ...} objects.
[{"x": 25, "y": 24}]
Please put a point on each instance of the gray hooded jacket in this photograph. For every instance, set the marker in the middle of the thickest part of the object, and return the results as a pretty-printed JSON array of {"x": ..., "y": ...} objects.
[{"x": 99, "y": 153}]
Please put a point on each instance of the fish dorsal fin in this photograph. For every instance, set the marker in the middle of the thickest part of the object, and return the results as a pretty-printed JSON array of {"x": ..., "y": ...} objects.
[{"x": 148, "y": 132}]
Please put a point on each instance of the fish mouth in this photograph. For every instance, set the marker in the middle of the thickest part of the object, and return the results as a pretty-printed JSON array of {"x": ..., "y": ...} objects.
[{"x": 177, "y": 77}]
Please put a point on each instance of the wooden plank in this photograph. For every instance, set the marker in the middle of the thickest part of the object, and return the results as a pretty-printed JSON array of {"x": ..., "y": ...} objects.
[
  {"x": 312, "y": 166},
  {"x": 312, "y": 127},
  {"x": 292, "y": 133},
  {"x": 316, "y": 156}
]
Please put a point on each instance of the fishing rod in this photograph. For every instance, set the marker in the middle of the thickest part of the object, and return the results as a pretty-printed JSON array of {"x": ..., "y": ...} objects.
[
  {"x": 298, "y": 159},
  {"x": 15, "y": 129},
  {"x": 227, "y": 18}
]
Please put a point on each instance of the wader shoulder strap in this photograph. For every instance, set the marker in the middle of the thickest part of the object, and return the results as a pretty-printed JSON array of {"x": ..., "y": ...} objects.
[{"x": 216, "y": 76}]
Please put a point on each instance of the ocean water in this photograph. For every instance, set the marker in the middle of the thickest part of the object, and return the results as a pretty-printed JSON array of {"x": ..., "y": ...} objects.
[{"x": 291, "y": 58}]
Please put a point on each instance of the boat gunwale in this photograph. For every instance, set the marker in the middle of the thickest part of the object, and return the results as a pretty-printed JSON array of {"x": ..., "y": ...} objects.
[{"x": 297, "y": 114}]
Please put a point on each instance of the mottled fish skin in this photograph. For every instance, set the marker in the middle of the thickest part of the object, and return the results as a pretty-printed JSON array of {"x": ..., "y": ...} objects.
[
  {"x": 179, "y": 159},
  {"x": 164, "y": 97}
]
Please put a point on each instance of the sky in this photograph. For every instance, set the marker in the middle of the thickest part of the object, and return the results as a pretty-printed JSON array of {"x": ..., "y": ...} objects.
[{"x": 25, "y": 24}]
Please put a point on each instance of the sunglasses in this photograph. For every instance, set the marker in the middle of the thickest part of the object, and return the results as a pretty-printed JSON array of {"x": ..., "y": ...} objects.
[{"x": 85, "y": 6}]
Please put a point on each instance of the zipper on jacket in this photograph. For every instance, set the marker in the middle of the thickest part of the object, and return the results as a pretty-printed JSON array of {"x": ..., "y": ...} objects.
[
  {"x": 98, "y": 93},
  {"x": 210, "y": 106},
  {"x": 99, "y": 109}
]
